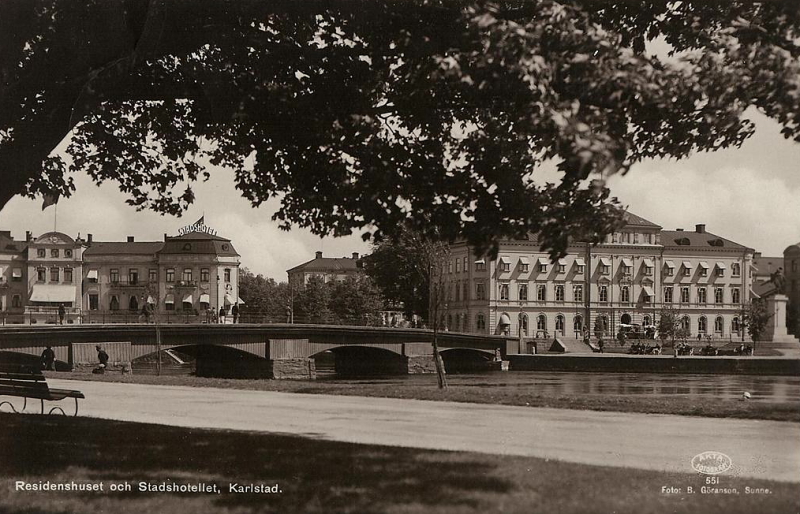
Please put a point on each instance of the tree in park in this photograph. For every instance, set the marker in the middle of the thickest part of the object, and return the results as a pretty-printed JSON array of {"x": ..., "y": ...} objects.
[
  {"x": 356, "y": 300},
  {"x": 262, "y": 296},
  {"x": 670, "y": 325},
  {"x": 433, "y": 114},
  {"x": 311, "y": 303},
  {"x": 756, "y": 319}
]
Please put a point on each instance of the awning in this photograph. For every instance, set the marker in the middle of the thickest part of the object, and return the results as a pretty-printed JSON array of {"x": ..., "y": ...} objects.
[
  {"x": 53, "y": 293},
  {"x": 228, "y": 299},
  {"x": 92, "y": 275},
  {"x": 648, "y": 291},
  {"x": 504, "y": 319},
  {"x": 169, "y": 299},
  {"x": 524, "y": 260},
  {"x": 151, "y": 300},
  {"x": 204, "y": 298},
  {"x": 605, "y": 262},
  {"x": 669, "y": 264},
  {"x": 687, "y": 264},
  {"x": 480, "y": 261},
  {"x": 239, "y": 300},
  {"x": 188, "y": 299},
  {"x": 704, "y": 264},
  {"x": 17, "y": 273},
  {"x": 627, "y": 263},
  {"x": 648, "y": 263},
  {"x": 721, "y": 265},
  {"x": 580, "y": 262}
]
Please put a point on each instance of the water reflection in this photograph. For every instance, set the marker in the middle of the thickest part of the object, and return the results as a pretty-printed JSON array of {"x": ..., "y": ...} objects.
[{"x": 771, "y": 389}]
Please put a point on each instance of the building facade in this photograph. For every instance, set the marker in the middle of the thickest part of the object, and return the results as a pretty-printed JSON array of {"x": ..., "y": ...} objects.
[
  {"x": 193, "y": 275},
  {"x": 628, "y": 279},
  {"x": 327, "y": 268}
]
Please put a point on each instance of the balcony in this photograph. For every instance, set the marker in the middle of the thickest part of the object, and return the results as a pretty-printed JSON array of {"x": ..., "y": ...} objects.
[{"x": 126, "y": 282}]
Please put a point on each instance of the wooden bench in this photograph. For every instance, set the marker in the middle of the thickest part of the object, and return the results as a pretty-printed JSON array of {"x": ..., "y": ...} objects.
[{"x": 26, "y": 382}]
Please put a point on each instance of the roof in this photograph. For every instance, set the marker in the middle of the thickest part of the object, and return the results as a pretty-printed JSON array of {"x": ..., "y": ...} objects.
[
  {"x": 54, "y": 237},
  {"x": 684, "y": 238},
  {"x": 767, "y": 265},
  {"x": 199, "y": 236},
  {"x": 328, "y": 264},
  {"x": 123, "y": 248},
  {"x": 633, "y": 219},
  {"x": 199, "y": 245},
  {"x": 7, "y": 244}
]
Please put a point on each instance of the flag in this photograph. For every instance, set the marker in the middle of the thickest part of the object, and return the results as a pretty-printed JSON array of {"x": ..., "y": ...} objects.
[
  {"x": 49, "y": 199},
  {"x": 201, "y": 221}
]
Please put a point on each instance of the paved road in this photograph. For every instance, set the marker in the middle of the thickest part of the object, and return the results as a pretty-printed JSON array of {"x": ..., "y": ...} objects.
[{"x": 759, "y": 449}]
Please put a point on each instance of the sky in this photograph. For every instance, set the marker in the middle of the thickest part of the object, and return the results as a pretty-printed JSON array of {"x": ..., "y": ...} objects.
[{"x": 750, "y": 195}]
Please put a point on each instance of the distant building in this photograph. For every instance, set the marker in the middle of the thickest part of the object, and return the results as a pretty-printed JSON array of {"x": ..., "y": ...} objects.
[
  {"x": 96, "y": 281},
  {"x": 627, "y": 279},
  {"x": 327, "y": 268},
  {"x": 763, "y": 271}
]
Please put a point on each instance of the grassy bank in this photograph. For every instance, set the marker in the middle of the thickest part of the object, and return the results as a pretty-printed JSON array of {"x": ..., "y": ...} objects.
[
  {"x": 495, "y": 395},
  {"x": 323, "y": 476}
]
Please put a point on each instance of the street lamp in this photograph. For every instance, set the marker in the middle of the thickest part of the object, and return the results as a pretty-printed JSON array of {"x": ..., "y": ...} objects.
[{"x": 216, "y": 312}]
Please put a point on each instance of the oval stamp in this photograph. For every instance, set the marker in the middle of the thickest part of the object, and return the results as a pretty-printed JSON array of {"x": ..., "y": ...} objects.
[{"x": 711, "y": 463}]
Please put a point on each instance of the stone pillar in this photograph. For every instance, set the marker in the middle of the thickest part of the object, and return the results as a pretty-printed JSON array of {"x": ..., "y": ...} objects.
[
  {"x": 776, "y": 327},
  {"x": 420, "y": 358},
  {"x": 293, "y": 369}
]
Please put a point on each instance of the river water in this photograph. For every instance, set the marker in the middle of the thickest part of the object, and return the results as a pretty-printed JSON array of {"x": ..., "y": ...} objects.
[{"x": 771, "y": 389}]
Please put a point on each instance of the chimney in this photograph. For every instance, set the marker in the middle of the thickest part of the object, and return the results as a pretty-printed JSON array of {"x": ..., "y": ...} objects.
[
  {"x": 355, "y": 256},
  {"x": 700, "y": 228},
  {"x": 756, "y": 255},
  {"x": 678, "y": 230},
  {"x": 89, "y": 238},
  {"x": 130, "y": 239},
  {"x": 28, "y": 236},
  {"x": 319, "y": 255},
  {"x": 165, "y": 236}
]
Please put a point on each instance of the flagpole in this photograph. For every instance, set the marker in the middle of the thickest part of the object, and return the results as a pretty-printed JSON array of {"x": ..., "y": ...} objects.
[{"x": 55, "y": 218}]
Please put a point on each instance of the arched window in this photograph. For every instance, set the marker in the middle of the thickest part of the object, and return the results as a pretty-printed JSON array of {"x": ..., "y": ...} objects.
[
  {"x": 646, "y": 321},
  {"x": 625, "y": 319},
  {"x": 577, "y": 323},
  {"x": 702, "y": 324},
  {"x": 736, "y": 269},
  {"x": 736, "y": 296},
  {"x": 735, "y": 325},
  {"x": 685, "y": 323},
  {"x": 719, "y": 324},
  {"x": 480, "y": 322},
  {"x": 114, "y": 305},
  {"x": 560, "y": 323},
  {"x": 601, "y": 325},
  {"x": 541, "y": 322},
  {"x": 133, "y": 304},
  {"x": 625, "y": 294}
]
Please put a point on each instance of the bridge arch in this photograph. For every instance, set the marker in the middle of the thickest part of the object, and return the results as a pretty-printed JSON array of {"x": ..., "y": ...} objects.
[
  {"x": 466, "y": 360},
  {"x": 362, "y": 360}
]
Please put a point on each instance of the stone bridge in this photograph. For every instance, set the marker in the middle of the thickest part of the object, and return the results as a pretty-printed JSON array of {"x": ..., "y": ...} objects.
[{"x": 269, "y": 350}]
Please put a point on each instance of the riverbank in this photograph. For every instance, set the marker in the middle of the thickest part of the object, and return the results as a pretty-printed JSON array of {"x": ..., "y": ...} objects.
[
  {"x": 315, "y": 476},
  {"x": 424, "y": 388}
]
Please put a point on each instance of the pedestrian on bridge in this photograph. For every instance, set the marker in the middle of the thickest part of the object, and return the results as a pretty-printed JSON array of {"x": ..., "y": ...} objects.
[
  {"x": 235, "y": 312},
  {"x": 62, "y": 312},
  {"x": 48, "y": 358}
]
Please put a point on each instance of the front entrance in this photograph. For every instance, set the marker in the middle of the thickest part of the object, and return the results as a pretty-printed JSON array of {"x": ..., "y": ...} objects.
[{"x": 625, "y": 319}]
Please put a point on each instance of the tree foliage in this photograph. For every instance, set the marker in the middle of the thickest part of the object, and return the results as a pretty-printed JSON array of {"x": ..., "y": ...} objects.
[
  {"x": 378, "y": 113},
  {"x": 263, "y": 296},
  {"x": 756, "y": 319}
]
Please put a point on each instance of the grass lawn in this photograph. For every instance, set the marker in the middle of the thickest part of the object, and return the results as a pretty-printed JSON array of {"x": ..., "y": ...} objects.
[
  {"x": 710, "y": 407},
  {"x": 318, "y": 476}
]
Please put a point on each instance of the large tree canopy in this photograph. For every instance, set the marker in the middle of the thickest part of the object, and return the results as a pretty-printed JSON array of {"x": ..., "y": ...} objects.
[{"x": 382, "y": 112}]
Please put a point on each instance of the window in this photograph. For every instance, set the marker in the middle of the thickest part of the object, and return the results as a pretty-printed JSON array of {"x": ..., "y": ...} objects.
[
  {"x": 41, "y": 275},
  {"x": 68, "y": 275},
  {"x": 542, "y": 267},
  {"x": 577, "y": 323},
  {"x": 480, "y": 322},
  {"x": 581, "y": 269},
  {"x": 603, "y": 293},
  {"x": 54, "y": 252},
  {"x": 648, "y": 270},
  {"x": 16, "y": 301},
  {"x": 625, "y": 294},
  {"x": 464, "y": 267},
  {"x": 687, "y": 272},
  {"x": 133, "y": 303},
  {"x": 480, "y": 291},
  {"x": 170, "y": 274},
  {"x": 559, "y": 293},
  {"x": 720, "y": 271},
  {"x": 187, "y": 275},
  {"x": 735, "y": 326},
  {"x": 524, "y": 267},
  {"x": 685, "y": 323},
  {"x": 701, "y": 295},
  {"x": 736, "y": 269},
  {"x": 669, "y": 271},
  {"x": 577, "y": 293},
  {"x": 41, "y": 252},
  {"x": 480, "y": 265},
  {"x": 794, "y": 265},
  {"x": 93, "y": 302},
  {"x": 68, "y": 253},
  {"x": 114, "y": 304},
  {"x": 504, "y": 291},
  {"x": 626, "y": 270},
  {"x": 505, "y": 266},
  {"x": 718, "y": 295},
  {"x": 523, "y": 323},
  {"x": 684, "y": 295},
  {"x": 736, "y": 296},
  {"x": 718, "y": 324},
  {"x": 169, "y": 306},
  {"x": 668, "y": 295},
  {"x": 541, "y": 322},
  {"x": 703, "y": 271},
  {"x": 133, "y": 276},
  {"x": 702, "y": 324},
  {"x": 562, "y": 268},
  {"x": 227, "y": 274},
  {"x": 541, "y": 292},
  {"x": 16, "y": 275},
  {"x": 55, "y": 274},
  {"x": 465, "y": 288},
  {"x": 450, "y": 266},
  {"x": 523, "y": 292},
  {"x": 646, "y": 321},
  {"x": 605, "y": 269},
  {"x": 635, "y": 237},
  {"x": 560, "y": 323},
  {"x": 114, "y": 275},
  {"x": 458, "y": 265}
]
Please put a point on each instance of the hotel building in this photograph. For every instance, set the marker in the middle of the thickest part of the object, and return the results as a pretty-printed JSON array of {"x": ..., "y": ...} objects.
[{"x": 627, "y": 279}]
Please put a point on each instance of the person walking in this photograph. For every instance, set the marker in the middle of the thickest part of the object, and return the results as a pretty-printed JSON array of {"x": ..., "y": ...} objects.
[
  {"x": 62, "y": 312},
  {"x": 235, "y": 312},
  {"x": 48, "y": 358},
  {"x": 102, "y": 356},
  {"x": 222, "y": 314}
]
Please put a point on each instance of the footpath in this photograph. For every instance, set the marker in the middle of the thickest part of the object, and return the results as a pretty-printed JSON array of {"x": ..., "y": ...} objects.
[{"x": 758, "y": 448}]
